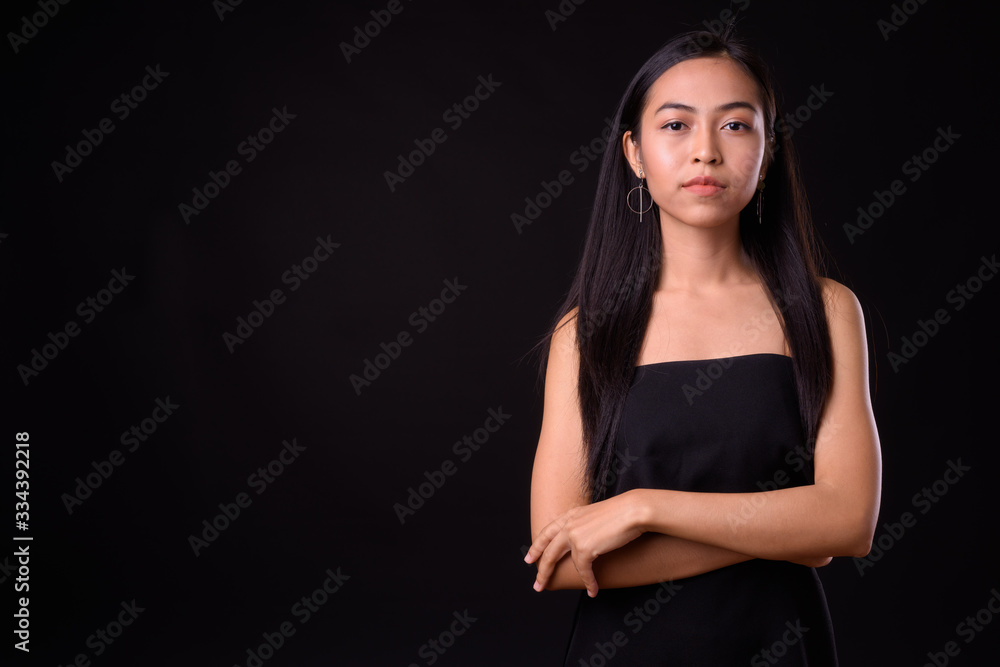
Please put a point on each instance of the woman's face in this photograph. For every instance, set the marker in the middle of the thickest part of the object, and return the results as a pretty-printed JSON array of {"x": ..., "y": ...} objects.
[{"x": 703, "y": 118}]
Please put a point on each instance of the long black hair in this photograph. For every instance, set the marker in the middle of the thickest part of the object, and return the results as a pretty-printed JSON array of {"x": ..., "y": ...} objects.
[{"x": 620, "y": 266}]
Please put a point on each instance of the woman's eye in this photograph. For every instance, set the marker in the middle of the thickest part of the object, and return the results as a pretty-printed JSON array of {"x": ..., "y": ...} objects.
[
  {"x": 676, "y": 125},
  {"x": 738, "y": 125}
]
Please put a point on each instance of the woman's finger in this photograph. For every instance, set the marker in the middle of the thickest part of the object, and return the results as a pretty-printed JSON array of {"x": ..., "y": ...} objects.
[
  {"x": 541, "y": 541},
  {"x": 554, "y": 551},
  {"x": 585, "y": 568}
]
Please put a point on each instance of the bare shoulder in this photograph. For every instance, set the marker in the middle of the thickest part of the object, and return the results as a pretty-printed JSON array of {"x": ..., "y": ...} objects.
[
  {"x": 848, "y": 340},
  {"x": 843, "y": 311},
  {"x": 563, "y": 345},
  {"x": 568, "y": 322}
]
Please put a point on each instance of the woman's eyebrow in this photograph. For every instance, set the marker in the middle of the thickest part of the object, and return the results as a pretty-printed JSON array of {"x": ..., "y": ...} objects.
[{"x": 729, "y": 106}]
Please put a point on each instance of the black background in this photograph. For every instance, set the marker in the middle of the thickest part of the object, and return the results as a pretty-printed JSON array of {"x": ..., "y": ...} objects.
[{"x": 323, "y": 176}]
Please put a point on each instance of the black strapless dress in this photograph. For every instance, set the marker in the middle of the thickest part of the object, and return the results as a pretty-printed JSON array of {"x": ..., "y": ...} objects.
[{"x": 725, "y": 425}]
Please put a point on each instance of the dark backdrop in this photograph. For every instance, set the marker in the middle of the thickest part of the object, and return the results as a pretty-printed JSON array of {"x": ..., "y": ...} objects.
[{"x": 114, "y": 517}]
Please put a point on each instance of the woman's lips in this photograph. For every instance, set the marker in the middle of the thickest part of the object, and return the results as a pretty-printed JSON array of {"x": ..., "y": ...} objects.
[
  {"x": 704, "y": 190},
  {"x": 703, "y": 186}
]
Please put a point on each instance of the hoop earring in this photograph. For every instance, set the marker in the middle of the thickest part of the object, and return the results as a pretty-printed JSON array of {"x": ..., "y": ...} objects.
[
  {"x": 760, "y": 203},
  {"x": 640, "y": 188}
]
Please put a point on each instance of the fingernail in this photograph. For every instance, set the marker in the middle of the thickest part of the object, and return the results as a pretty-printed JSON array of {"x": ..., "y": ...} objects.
[
  {"x": 527, "y": 557},
  {"x": 537, "y": 586}
]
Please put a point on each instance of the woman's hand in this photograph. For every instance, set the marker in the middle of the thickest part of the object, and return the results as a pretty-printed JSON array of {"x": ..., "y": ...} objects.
[{"x": 586, "y": 532}]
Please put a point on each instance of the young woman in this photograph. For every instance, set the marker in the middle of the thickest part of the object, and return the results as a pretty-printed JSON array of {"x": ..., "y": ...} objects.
[{"x": 707, "y": 438}]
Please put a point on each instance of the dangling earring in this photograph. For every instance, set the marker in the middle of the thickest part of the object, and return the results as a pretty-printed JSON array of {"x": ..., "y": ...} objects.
[
  {"x": 640, "y": 188},
  {"x": 760, "y": 200}
]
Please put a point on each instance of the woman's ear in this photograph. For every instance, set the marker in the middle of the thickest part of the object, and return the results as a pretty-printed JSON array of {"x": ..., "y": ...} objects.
[{"x": 632, "y": 153}]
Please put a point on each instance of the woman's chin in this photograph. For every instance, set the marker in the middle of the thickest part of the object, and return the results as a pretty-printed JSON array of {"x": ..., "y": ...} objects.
[{"x": 705, "y": 219}]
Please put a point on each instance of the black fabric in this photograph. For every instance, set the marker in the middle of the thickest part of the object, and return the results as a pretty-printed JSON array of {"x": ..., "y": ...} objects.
[{"x": 721, "y": 425}]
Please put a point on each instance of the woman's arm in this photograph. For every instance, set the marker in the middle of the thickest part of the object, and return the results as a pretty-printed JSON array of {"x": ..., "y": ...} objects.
[
  {"x": 648, "y": 559},
  {"x": 556, "y": 487},
  {"x": 652, "y": 558},
  {"x": 834, "y": 516}
]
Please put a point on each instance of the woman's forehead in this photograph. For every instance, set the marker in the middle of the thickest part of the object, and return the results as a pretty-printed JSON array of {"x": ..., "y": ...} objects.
[{"x": 703, "y": 83}]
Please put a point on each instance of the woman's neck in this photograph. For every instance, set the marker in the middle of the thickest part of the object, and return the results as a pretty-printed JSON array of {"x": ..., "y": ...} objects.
[{"x": 699, "y": 259}]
